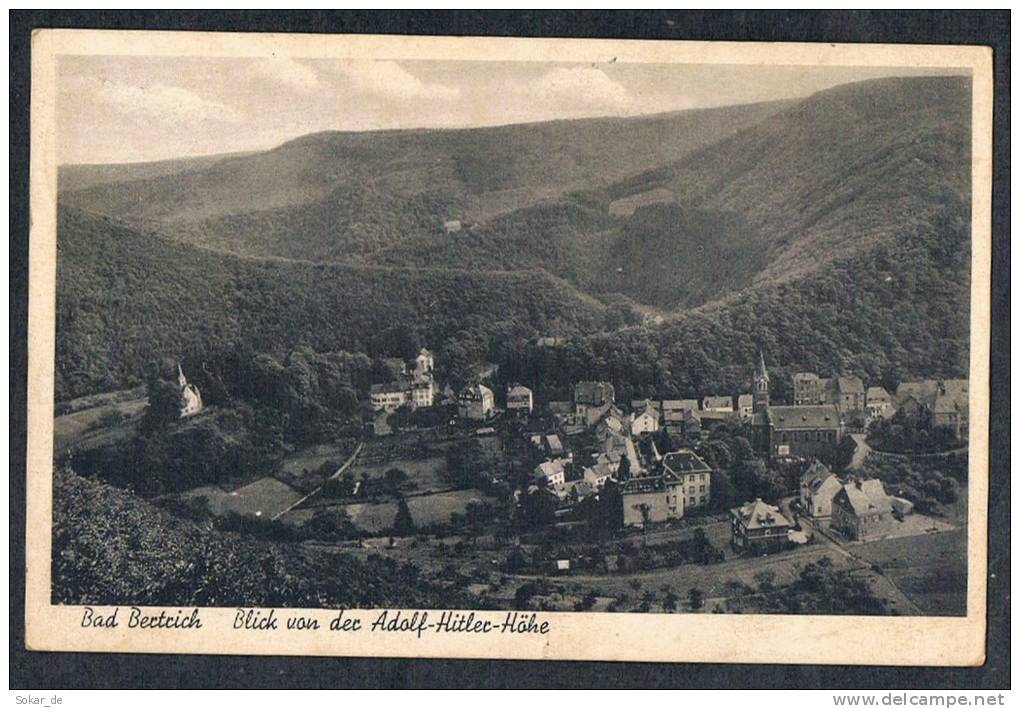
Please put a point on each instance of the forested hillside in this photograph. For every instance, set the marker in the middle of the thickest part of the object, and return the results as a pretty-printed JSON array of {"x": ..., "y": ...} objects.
[
  {"x": 839, "y": 172},
  {"x": 125, "y": 299},
  {"x": 899, "y": 311},
  {"x": 826, "y": 178}
]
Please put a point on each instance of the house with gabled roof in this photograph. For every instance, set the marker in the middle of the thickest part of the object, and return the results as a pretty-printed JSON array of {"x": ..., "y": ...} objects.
[
  {"x": 519, "y": 399},
  {"x": 598, "y": 474},
  {"x": 759, "y": 528},
  {"x": 912, "y": 396},
  {"x": 573, "y": 491},
  {"x": 846, "y": 394},
  {"x": 553, "y": 472},
  {"x": 645, "y": 420},
  {"x": 878, "y": 403},
  {"x": 475, "y": 402},
  {"x": 684, "y": 422},
  {"x": 639, "y": 405},
  {"x": 862, "y": 510},
  {"x": 951, "y": 408},
  {"x": 818, "y": 485},
  {"x": 553, "y": 446}
]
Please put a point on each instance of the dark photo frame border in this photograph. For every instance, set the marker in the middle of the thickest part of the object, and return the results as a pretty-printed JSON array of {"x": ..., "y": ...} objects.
[{"x": 30, "y": 670}]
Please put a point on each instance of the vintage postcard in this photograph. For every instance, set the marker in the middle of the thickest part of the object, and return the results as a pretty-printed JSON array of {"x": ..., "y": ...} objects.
[{"x": 508, "y": 348}]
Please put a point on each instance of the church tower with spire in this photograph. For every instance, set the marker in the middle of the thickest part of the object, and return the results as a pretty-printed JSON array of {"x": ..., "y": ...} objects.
[{"x": 760, "y": 385}]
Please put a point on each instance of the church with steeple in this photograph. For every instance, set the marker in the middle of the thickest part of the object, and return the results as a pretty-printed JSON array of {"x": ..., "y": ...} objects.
[
  {"x": 760, "y": 385},
  {"x": 790, "y": 431}
]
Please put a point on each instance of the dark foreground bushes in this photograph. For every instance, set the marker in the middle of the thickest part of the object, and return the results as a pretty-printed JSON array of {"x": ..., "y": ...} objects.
[{"x": 110, "y": 547}]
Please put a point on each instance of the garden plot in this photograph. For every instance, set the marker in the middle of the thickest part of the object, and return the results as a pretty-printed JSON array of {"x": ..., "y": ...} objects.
[{"x": 264, "y": 498}]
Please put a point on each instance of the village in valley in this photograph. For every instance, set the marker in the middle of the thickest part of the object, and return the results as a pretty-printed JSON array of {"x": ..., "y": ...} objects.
[
  {"x": 597, "y": 504},
  {"x": 693, "y": 361}
]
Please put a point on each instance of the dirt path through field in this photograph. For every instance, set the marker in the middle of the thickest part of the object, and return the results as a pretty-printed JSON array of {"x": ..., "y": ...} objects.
[{"x": 335, "y": 476}]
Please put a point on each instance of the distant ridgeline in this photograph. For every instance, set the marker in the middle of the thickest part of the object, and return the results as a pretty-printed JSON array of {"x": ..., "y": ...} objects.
[{"x": 832, "y": 232}]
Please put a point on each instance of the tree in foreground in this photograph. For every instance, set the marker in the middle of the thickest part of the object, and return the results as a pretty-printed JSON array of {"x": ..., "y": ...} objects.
[
  {"x": 623, "y": 472},
  {"x": 696, "y": 597},
  {"x": 403, "y": 525}
]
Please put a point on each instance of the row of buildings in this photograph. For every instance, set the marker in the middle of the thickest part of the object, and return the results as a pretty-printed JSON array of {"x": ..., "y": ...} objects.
[
  {"x": 859, "y": 510},
  {"x": 946, "y": 400},
  {"x": 653, "y": 489},
  {"x": 414, "y": 386}
]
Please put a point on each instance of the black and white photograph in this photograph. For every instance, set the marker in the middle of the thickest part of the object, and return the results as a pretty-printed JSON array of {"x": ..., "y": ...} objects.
[{"x": 542, "y": 336}]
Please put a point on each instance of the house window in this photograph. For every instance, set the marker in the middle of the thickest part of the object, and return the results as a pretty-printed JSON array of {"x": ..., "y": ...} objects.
[
  {"x": 702, "y": 489},
  {"x": 692, "y": 502},
  {"x": 702, "y": 499}
]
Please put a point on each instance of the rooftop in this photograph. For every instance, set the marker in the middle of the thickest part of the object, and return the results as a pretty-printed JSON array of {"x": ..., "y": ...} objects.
[
  {"x": 718, "y": 402},
  {"x": 866, "y": 497},
  {"x": 679, "y": 404},
  {"x": 685, "y": 461},
  {"x": 475, "y": 392},
  {"x": 790, "y": 417},
  {"x": 759, "y": 515},
  {"x": 596, "y": 393},
  {"x": 815, "y": 475},
  {"x": 849, "y": 385},
  {"x": 636, "y": 486}
]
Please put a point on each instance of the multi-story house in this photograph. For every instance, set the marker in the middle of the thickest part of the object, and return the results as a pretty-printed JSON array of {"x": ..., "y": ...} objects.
[
  {"x": 877, "y": 402},
  {"x": 475, "y": 402},
  {"x": 645, "y": 420},
  {"x": 519, "y": 399},
  {"x": 593, "y": 395},
  {"x": 693, "y": 475},
  {"x": 818, "y": 486},
  {"x": 390, "y": 396},
  {"x": 758, "y": 528}
]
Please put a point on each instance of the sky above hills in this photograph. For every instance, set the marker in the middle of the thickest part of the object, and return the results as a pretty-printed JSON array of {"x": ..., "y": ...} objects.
[{"x": 129, "y": 109}]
